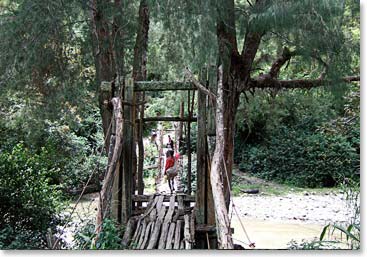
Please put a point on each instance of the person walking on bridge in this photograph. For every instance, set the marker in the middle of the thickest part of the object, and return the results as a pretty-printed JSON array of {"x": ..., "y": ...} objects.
[{"x": 170, "y": 169}]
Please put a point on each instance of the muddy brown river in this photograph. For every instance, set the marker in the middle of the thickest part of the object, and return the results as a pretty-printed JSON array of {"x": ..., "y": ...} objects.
[{"x": 271, "y": 222}]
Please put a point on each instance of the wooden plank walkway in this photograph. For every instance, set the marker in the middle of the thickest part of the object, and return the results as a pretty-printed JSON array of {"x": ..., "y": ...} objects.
[{"x": 162, "y": 226}]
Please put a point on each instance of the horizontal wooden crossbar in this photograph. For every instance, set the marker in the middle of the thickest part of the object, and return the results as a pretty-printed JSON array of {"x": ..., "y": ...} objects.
[
  {"x": 162, "y": 86},
  {"x": 152, "y": 119},
  {"x": 204, "y": 228},
  {"x": 146, "y": 198}
]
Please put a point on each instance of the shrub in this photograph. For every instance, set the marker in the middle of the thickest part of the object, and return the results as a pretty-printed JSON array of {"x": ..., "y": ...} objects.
[
  {"x": 303, "y": 159},
  {"x": 109, "y": 238},
  {"x": 29, "y": 204},
  {"x": 75, "y": 157},
  {"x": 300, "y": 138}
]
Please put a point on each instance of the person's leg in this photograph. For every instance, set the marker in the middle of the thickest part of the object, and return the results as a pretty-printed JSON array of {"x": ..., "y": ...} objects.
[{"x": 169, "y": 184}]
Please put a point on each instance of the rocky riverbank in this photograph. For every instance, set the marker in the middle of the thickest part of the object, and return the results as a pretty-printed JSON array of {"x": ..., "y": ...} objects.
[{"x": 307, "y": 207}]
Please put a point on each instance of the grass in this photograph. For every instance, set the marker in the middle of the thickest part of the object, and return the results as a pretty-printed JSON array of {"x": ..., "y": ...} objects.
[{"x": 242, "y": 182}]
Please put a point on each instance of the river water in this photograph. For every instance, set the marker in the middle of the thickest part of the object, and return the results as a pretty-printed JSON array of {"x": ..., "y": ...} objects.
[
  {"x": 272, "y": 235},
  {"x": 271, "y": 222}
]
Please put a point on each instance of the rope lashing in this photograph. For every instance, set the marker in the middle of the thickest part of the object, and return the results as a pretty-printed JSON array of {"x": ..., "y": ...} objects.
[{"x": 251, "y": 244}]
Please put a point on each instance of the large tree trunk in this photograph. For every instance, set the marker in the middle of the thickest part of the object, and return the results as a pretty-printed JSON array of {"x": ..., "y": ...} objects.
[
  {"x": 233, "y": 77},
  {"x": 236, "y": 75},
  {"x": 118, "y": 44},
  {"x": 140, "y": 73},
  {"x": 229, "y": 59},
  {"x": 216, "y": 174},
  {"x": 103, "y": 57}
]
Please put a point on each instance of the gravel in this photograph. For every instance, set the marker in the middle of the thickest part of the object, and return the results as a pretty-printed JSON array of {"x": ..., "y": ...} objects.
[{"x": 295, "y": 208}]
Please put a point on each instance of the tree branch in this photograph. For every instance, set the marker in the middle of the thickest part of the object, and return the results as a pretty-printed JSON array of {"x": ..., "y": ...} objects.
[
  {"x": 202, "y": 88},
  {"x": 250, "y": 47},
  {"x": 267, "y": 82},
  {"x": 280, "y": 61}
]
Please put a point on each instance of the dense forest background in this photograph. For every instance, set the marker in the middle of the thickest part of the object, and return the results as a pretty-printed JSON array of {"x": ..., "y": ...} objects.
[{"x": 51, "y": 131}]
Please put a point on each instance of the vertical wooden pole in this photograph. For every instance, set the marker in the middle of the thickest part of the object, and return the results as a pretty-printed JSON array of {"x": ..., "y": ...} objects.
[
  {"x": 188, "y": 143},
  {"x": 201, "y": 156},
  {"x": 180, "y": 130},
  {"x": 135, "y": 140},
  {"x": 127, "y": 156},
  {"x": 112, "y": 167},
  {"x": 212, "y": 76},
  {"x": 141, "y": 147},
  {"x": 204, "y": 198},
  {"x": 160, "y": 155},
  {"x": 210, "y": 143},
  {"x": 134, "y": 112}
]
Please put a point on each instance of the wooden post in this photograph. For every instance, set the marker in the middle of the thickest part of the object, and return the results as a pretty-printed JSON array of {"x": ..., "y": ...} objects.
[
  {"x": 201, "y": 157},
  {"x": 180, "y": 130},
  {"x": 127, "y": 156},
  {"x": 106, "y": 193},
  {"x": 204, "y": 208},
  {"x": 188, "y": 145},
  {"x": 160, "y": 155},
  {"x": 141, "y": 148},
  {"x": 210, "y": 143},
  {"x": 117, "y": 183},
  {"x": 212, "y": 73}
]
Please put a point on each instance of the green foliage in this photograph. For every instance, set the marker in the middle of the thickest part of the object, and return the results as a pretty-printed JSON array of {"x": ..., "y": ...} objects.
[
  {"x": 33, "y": 34},
  {"x": 29, "y": 204},
  {"x": 184, "y": 176},
  {"x": 76, "y": 155},
  {"x": 298, "y": 138},
  {"x": 48, "y": 92},
  {"x": 262, "y": 114},
  {"x": 11, "y": 238},
  {"x": 305, "y": 160},
  {"x": 351, "y": 234},
  {"x": 70, "y": 141},
  {"x": 150, "y": 159},
  {"x": 108, "y": 239},
  {"x": 191, "y": 25}
]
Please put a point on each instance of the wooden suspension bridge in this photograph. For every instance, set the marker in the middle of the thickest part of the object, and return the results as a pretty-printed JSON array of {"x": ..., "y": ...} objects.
[{"x": 160, "y": 221}]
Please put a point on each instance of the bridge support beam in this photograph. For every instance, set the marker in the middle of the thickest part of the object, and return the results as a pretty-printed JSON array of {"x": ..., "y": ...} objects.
[
  {"x": 204, "y": 198},
  {"x": 123, "y": 187}
]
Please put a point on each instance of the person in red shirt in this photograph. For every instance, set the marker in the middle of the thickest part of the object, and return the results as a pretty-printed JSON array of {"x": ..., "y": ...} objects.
[{"x": 170, "y": 169}]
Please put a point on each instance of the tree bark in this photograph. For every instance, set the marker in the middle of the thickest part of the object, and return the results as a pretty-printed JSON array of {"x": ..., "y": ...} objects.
[
  {"x": 139, "y": 74},
  {"x": 233, "y": 76},
  {"x": 118, "y": 46},
  {"x": 114, "y": 156},
  {"x": 230, "y": 61},
  {"x": 221, "y": 209},
  {"x": 103, "y": 58}
]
